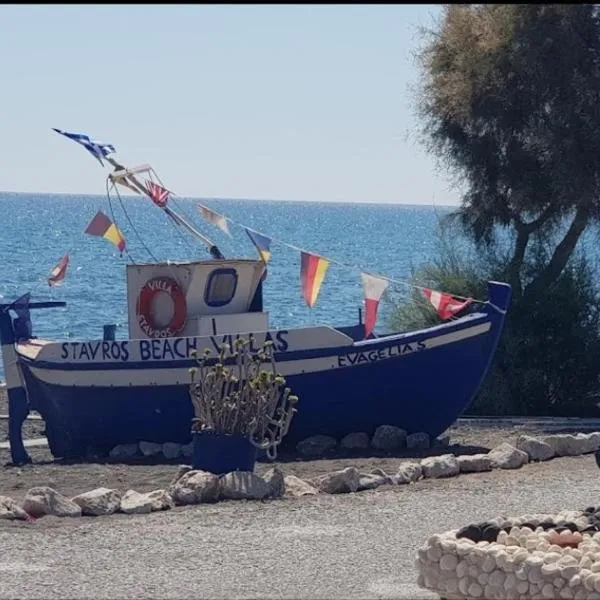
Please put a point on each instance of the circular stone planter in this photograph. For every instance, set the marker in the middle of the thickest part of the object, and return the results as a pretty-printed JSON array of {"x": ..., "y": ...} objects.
[{"x": 535, "y": 556}]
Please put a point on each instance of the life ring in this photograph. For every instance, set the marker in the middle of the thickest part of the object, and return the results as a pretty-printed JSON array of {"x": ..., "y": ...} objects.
[{"x": 145, "y": 315}]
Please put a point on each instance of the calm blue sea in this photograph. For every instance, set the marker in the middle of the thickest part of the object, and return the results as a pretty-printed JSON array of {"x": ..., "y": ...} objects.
[{"x": 37, "y": 230}]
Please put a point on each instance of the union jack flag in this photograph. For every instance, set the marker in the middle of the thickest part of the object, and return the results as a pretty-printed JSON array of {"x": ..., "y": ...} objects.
[{"x": 158, "y": 194}]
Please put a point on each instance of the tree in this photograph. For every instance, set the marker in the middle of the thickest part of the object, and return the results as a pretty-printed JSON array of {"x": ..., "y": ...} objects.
[{"x": 510, "y": 97}]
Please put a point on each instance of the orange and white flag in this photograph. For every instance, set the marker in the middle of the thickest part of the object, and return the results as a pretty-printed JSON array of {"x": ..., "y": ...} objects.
[
  {"x": 374, "y": 288},
  {"x": 446, "y": 305},
  {"x": 58, "y": 274}
]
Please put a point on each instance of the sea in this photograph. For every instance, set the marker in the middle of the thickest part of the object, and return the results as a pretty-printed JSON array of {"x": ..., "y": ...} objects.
[{"x": 39, "y": 229}]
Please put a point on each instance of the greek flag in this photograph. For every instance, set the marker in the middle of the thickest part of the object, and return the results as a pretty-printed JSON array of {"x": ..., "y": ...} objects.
[{"x": 97, "y": 149}]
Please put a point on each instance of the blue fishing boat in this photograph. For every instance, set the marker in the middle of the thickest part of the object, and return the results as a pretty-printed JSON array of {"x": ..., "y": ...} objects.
[{"x": 96, "y": 394}]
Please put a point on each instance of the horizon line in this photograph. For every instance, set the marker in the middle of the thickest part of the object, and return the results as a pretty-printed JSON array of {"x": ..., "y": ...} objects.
[{"x": 238, "y": 199}]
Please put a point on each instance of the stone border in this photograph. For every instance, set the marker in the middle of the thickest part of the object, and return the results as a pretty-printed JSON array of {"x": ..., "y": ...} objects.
[
  {"x": 195, "y": 487},
  {"x": 534, "y": 556}
]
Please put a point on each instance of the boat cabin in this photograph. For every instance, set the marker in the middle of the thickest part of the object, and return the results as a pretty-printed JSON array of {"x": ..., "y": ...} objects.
[{"x": 198, "y": 298}]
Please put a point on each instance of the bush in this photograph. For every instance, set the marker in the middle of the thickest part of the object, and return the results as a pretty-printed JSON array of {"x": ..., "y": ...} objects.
[{"x": 548, "y": 359}]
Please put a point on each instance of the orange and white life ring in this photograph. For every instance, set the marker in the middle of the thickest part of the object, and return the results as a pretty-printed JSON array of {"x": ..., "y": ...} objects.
[{"x": 145, "y": 315}]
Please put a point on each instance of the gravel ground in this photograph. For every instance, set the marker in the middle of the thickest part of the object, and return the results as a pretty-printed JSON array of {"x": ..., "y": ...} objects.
[{"x": 349, "y": 546}]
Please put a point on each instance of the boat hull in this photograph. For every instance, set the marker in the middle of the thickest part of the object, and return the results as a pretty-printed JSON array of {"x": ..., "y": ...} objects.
[{"x": 419, "y": 382}]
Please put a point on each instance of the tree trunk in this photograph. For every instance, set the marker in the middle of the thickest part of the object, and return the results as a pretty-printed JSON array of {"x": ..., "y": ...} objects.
[
  {"x": 560, "y": 257},
  {"x": 514, "y": 268}
]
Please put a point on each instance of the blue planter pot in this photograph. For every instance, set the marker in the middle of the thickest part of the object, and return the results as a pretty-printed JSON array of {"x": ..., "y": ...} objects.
[{"x": 221, "y": 453}]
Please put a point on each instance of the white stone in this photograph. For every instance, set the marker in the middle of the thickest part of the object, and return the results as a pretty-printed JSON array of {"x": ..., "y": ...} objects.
[
  {"x": 160, "y": 500},
  {"x": 536, "y": 449},
  {"x": 565, "y": 444},
  {"x": 133, "y": 502},
  {"x": 408, "y": 473},
  {"x": 506, "y": 456},
  {"x": 9, "y": 509},
  {"x": 418, "y": 441},
  {"x": 474, "y": 463},
  {"x": 448, "y": 562},
  {"x": 435, "y": 467},
  {"x": 296, "y": 487},
  {"x": 355, "y": 441},
  {"x": 339, "y": 482},
  {"x": 98, "y": 502},
  {"x": 195, "y": 487},
  {"x": 370, "y": 481},
  {"x": 243, "y": 485},
  {"x": 316, "y": 446},
  {"x": 389, "y": 437},
  {"x": 150, "y": 448},
  {"x": 171, "y": 450},
  {"x": 124, "y": 451},
  {"x": 40, "y": 501}
]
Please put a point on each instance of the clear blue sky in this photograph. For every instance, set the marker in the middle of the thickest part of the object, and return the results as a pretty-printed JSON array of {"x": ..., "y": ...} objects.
[{"x": 298, "y": 102}]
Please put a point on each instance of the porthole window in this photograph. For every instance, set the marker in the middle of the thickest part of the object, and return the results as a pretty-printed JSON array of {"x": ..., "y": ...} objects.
[{"x": 220, "y": 287}]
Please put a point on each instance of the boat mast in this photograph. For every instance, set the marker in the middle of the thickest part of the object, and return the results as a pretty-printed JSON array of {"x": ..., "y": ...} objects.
[{"x": 212, "y": 248}]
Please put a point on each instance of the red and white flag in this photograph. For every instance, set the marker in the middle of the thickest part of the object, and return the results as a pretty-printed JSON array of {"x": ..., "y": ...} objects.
[
  {"x": 374, "y": 288},
  {"x": 445, "y": 305},
  {"x": 58, "y": 274},
  {"x": 158, "y": 194}
]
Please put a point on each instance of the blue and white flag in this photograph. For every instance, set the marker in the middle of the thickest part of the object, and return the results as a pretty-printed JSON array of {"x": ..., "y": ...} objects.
[{"x": 97, "y": 149}]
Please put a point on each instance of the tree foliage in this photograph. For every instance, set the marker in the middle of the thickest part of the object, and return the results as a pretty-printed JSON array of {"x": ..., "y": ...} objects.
[{"x": 510, "y": 97}]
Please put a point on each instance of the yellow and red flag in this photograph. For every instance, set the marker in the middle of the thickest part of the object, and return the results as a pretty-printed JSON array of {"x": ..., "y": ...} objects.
[
  {"x": 102, "y": 226},
  {"x": 312, "y": 274}
]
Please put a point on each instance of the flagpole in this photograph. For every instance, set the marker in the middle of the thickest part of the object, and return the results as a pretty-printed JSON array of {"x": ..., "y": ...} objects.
[{"x": 212, "y": 248}]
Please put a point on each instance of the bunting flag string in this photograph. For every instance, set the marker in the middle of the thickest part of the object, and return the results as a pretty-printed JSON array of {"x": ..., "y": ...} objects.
[
  {"x": 374, "y": 288},
  {"x": 102, "y": 226},
  {"x": 312, "y": 273},
  {"x": 446, "y": 305},
  {"x": 215, "y": 219},
  {"x": 58, "y": 274}
]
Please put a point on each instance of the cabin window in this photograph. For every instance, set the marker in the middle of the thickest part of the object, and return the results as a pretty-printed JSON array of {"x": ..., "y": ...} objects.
[{"x": 220, "y": 287}]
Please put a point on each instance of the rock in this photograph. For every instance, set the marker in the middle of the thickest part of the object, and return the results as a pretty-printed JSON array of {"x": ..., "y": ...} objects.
[
  {"x": 475, "y": 463},
  {"x": 536, "y": 449},
  {"x": 569, "y": 445},
  {"x": 417, "y": 441},
  {"x": 133, "y": 502},
  {"x": 160, "y": 500},
  {"x": 187, "y": 449},
  {"x": 355, "y": 441},
  {"x": 316, "y": 446},
  {"x": 275, "y": 480},
  {"x": 124, "y": 451},
  {"x": 445, "y": 465},
  {"x": 181, "y": 471},
  {"x": 171, "y": 450},
  {"x": 9, "y": 509},
  {"x": 339, "y": 482},
  {"x": 40, "y": 501},
  {"x": 101, "y": 501},
  {"x": 370, "y": 481},
  {"x": 195, "y": 487},
  {"x": 506, "y": 456},
  {"x": 243, "y": 485},
  {"x": 408, "y": 473},
  {"x": 296, "y": 487},
  {"x": 388, "y": 437},
  {"x": 149, "y": 448}
]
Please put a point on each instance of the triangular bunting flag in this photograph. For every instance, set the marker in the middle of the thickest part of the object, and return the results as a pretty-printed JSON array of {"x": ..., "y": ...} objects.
[
  {"x": 446, "y": 305},
  {"x": 312, "y": 273},
  {"x": 374, "y": 288},
  {"x": 262, "y": 244},
  {"x": 215, "y": 218},
  {"x": 58, "y": 274}
]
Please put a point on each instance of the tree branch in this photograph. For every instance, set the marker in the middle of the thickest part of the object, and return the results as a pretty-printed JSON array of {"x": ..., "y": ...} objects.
[{"x": 561, "y": 255}]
